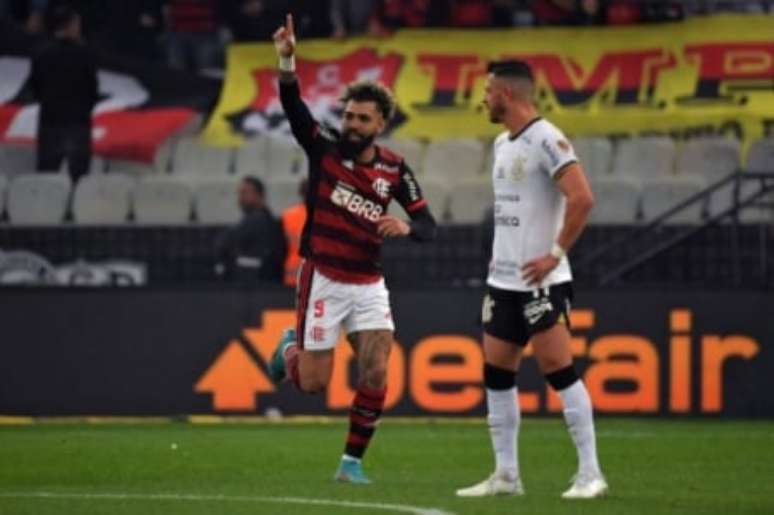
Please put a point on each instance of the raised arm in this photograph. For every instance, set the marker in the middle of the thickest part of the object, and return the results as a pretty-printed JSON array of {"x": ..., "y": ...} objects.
[{"x": 302, "y": 124}]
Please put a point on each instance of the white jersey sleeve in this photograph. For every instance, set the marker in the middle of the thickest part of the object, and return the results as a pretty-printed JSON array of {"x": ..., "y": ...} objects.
[{"x": 555, "y": 151}]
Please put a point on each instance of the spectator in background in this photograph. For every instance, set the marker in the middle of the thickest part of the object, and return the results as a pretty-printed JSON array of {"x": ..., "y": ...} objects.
[
  {"x": 470, "y": 13},
  {"x": 27, "y": 12},
  {"x": 293, "y": 220},
  {"x": 623, "y": 12},
  {"x": 663, "y": 11},
  {"x": 391, "y": 15},
  {"x": 555, "y": 12},
  {"x": 254, "y": 250},
  {"x": 313, "y": 19},
  {"x": 193, "y": 38},
  {"x": 604, "y": 12},
  {"x": 351, "y": 17},
  {"x": 255, "y": 20},
  {"x": 64, "y": 81},
  {"x": 133, "y": 29},
  {"x": 93, "y": 13},
  {"x": 35, "y": 19}
]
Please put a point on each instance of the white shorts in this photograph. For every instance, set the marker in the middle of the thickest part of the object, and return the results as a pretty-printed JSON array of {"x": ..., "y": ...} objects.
[{"x": 325, "y": 305}]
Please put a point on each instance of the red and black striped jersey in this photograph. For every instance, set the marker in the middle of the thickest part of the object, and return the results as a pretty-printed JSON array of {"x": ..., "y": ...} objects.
[{"x": 346, "y": 198}]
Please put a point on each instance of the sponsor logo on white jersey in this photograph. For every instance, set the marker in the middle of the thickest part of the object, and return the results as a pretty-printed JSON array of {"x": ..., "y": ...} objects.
[{"x": 345, "y": 196}]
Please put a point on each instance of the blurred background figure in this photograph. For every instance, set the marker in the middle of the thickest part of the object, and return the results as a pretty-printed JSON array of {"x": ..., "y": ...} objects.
[
  {"x": 193, "y": 37},
  {"x": 351, "y": 17},
  {"x": 313, "y": 19},
  {"x": 605, "y": 12},
  {"x": 134, "y": 29},
  {"x": 35, "y": 17},
  {"x": 293, "y": 220},
  {"x": 391, "y": 15},
  {"x": 255, "y": 20},
  {"x": 64, "y": 81},
  {"x": 254, "y": 250}
]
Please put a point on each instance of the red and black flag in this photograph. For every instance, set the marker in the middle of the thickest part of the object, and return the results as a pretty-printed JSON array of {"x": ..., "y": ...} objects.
[{"x": 140, "y": 105}]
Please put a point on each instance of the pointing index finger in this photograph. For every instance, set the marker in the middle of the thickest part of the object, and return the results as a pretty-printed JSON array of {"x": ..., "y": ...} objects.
[{"x": 289, "y": 25}]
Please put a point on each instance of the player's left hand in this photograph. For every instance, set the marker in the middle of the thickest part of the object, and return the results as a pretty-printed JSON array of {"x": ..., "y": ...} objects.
[
  {"x": 536, "y": 270},
  {"x": 389, "y": 226}
]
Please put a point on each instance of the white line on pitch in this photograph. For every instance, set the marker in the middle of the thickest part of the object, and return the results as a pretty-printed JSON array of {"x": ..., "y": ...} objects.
[{"x": 400, "y": 508}]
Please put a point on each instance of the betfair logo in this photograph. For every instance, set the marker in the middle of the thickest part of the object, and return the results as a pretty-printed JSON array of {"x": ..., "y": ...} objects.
[{"x": 236, "y": 377}]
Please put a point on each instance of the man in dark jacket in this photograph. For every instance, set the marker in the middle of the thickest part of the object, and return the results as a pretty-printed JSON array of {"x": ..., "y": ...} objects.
[
  {"x": 64, "y": 81},
  {"x": 255, "y": 249}
]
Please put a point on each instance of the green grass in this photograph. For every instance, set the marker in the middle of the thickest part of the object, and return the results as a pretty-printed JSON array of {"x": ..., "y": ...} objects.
[{"x": 653, "y": 466}]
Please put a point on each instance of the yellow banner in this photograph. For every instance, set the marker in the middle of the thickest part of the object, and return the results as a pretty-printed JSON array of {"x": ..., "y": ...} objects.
[{"x": 710, "y": 75}]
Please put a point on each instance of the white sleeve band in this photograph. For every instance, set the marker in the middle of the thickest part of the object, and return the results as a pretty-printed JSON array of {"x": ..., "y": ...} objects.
[
  {"x": 287, "y": 64},
  {"x": 557, "y": 251}
]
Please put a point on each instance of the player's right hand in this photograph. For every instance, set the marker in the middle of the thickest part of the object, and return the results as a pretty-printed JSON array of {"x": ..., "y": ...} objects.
[
  {"x": 285, "y": 38},
  {"x": 390, "y": 226}
]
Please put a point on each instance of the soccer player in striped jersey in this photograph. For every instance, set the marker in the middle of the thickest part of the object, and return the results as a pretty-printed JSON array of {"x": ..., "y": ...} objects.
[
  {"x": 542, "y": 202},
  {"x": 351, "y": 182}
]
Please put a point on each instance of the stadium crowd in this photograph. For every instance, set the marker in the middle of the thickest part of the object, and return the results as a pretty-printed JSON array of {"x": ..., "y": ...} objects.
[{"x": 193, "y": 33}]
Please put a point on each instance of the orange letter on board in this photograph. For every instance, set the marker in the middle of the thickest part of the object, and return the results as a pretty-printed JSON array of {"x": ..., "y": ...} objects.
[
  {"x": 715, "y": 350},
  {"x": 643, "y": 371},
  {"x": 466, "y": 368}
]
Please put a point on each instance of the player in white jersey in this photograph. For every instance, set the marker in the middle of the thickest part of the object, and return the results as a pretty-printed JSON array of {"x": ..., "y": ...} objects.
[{"x": 542, "y": 202}]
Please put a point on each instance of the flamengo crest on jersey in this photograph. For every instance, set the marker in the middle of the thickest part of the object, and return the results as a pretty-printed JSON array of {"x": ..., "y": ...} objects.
[
  {"x": 529, "y": 207},
  {"x": 381, "y": 187}
]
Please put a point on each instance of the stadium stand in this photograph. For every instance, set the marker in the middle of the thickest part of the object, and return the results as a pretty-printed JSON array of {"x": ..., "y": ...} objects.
[
  {"x": 284, "y": 158},
  {"x": 454, "y": 159},
  {"x": 162, "y": 201},
  {"x": 250, "y": 158},
  {"x": 644, "y": 157},
  {"x": 413, "y": 151},
  {"x": 761, "y": 156},
  {"x": 595, "y": 154},
  {"x": 726, "y": 198},
  {"x": 101, "y": 199},
  {"x": 714, "y": 158},
  {"x": 617, "y": 200},
  {"x": 38, "y": 199},
  {"x": 3, "y": 187},
  {"x": 660, "y": 194},
  {"x": 282, "y": 192},
  {"x": 16, "y": 159},
  {"x": 193, "y": 158},
  {"x": 215, "y": 201},
  {"x": 468, "y": 200},
  {"x": 161, "y": 163}
]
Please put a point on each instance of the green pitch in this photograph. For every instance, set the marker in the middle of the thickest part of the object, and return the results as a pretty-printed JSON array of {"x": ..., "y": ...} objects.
[{"x": 653, "y": 467}]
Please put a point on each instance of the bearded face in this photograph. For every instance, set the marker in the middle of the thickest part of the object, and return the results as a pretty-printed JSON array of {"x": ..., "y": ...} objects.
[
  {"x": 361, "y": 123},
  {"x": 494, "y": 100}
]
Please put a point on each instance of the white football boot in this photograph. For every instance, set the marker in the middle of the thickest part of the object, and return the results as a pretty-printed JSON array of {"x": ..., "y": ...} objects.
[
  {"x": 496, "y": 484},
  {"x": 587, "y": 486}
]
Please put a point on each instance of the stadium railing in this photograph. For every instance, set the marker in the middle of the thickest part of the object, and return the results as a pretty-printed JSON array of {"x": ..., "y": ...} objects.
[{"x": 646, "y": 242}]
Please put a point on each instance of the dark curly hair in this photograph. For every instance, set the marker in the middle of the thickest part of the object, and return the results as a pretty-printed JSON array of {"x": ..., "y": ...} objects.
[{"x": 370, "y": 91}]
